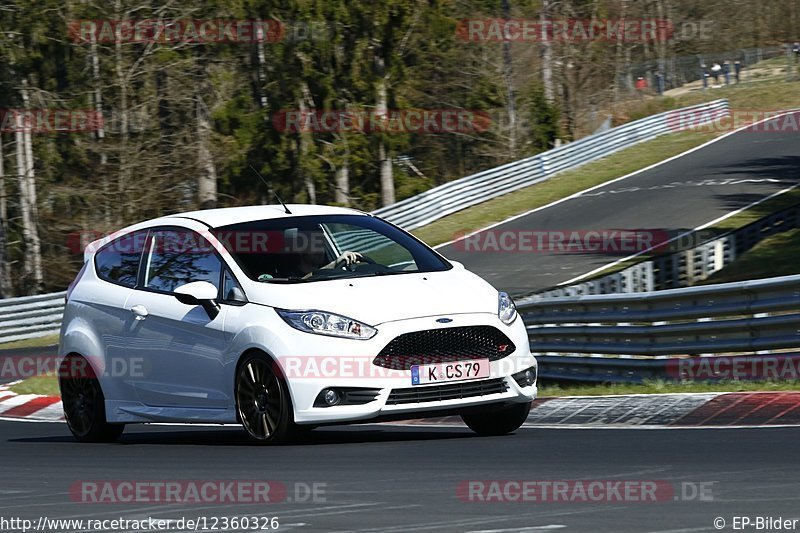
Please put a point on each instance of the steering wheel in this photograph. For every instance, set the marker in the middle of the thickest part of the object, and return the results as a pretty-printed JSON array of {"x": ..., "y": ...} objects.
[{"x": 364, "y": 259}]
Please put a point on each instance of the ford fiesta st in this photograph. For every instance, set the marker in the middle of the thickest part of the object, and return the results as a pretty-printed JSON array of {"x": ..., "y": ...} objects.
[{"x": 284, "y": 318}]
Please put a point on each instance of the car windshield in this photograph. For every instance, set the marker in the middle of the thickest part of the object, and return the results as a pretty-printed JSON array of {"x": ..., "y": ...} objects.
[{"x": 316, "y": 248}]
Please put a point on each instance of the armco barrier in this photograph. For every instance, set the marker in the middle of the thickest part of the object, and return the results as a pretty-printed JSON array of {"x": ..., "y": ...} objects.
[
  {"x": 615, "y": 337},
  {"x": 454, "y": 196},
  {"x": 31, "y": 316},
  {"x": 623, "y": 335}
]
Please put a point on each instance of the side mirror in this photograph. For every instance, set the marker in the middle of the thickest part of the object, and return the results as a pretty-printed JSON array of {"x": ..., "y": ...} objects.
[{"x": 200, "y": 293}]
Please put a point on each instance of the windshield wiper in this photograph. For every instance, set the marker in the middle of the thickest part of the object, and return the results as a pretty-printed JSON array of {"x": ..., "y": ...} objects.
[
  {"x": 290, "y": 279},
  {"x": 382, "y": 273}
]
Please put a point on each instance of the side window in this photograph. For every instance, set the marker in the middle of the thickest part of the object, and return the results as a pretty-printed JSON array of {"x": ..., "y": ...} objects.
[
  {"x": 175, "y": 257},
  {"x": 118, "y": 261}
]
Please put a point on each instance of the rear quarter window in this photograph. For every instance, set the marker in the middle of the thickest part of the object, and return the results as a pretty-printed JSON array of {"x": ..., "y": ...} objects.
[{"x": 118, "y": 261}]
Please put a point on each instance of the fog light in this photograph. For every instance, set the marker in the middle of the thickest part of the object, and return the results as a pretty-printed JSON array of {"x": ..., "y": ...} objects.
[
  {"x": 328, "y": 397},
  {"x": 530, "y": 376},
  {"x": 331, "y": 397},
  {"x": 526, "y": 378}
]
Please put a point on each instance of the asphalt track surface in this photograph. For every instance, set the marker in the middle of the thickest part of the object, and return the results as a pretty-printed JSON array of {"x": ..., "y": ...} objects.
[
  {"x": 392, "y": 479},
  {"x": 674, "y": 197}
]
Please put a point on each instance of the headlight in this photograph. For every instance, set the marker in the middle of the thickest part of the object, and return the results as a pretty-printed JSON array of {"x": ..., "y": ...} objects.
[
  {"x": 323, "y": 323},
  {"x": 506, "y": 310}
]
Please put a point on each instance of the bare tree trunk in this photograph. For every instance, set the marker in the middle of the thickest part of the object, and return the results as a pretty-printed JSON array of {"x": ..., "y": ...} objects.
[
  {"x": 547, "y": 54},
  {"x": 342, "y": 192},
  {"x": 5, "y": 284},
  {"x": 618, "y": 54},
  {"x": 342, "y": 195},
  {"x": 306, "y": 104},
  {"x": 101, "y": 133},
  {"x": 628, "y": 73},
  {"x": 384, "y": 157},
  {"x": 207, "y": 177},
  {"x": 508, "y": 76},
  {"x": 261, "y": 68},
  {"x": 28, "y": 210},
  {"x": 3, "y": 203},
  {"x": 661, "y": 43},
  {"x": 123, "y": 176}
]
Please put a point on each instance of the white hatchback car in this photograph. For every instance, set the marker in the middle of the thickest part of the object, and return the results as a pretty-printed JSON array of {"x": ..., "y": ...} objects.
[{"x": 284, "y": 319}]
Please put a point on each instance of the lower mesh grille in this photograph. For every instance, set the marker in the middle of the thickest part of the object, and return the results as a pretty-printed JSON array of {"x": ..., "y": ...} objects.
[{"x": 451, "y": 391}]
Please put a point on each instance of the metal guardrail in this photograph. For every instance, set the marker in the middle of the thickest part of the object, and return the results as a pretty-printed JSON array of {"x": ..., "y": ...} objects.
[
  {"x": 616, "y": 337},
  {"x": 454, "y": 196},
  {"x": 27, "y": 317},
  {"x": 684, "y": 267},
  {"x": 748, "y": 317}
]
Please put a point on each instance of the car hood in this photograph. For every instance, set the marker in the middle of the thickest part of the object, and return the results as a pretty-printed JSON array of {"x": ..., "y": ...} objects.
[{"x": 378, "y": 299}]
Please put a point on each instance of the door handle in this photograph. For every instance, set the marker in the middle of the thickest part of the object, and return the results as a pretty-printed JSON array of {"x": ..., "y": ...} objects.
[{"x": 139, "y": 311}]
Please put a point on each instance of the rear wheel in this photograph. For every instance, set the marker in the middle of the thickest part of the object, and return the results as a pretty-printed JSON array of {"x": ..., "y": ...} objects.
[
  {"x": 84, "y": 402},
  {"x": 499, "y": 422},
  {"x": 262, "y": 402}
]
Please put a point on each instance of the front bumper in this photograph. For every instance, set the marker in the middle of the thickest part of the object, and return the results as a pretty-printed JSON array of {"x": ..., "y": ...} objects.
[{"x": 396, "y": 398}]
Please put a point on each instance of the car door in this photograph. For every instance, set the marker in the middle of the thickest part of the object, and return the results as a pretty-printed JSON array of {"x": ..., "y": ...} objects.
[
  {"x": 101, "y": 296},
  {"x": 179, "y": 347}
]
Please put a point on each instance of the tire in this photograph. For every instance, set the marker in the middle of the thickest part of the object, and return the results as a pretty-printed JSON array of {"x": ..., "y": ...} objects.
[
  {"x": 263, "y": 405},
  {"x": 500, "y": 422},
  {"x": 84, "y": 402}
]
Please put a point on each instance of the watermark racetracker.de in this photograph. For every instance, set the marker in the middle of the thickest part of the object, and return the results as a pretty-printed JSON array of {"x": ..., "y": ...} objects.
[{"x": 583, "y": 491}]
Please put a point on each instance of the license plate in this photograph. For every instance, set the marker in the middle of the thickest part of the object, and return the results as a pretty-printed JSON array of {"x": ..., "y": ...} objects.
[{"x": 445, "y": 372}]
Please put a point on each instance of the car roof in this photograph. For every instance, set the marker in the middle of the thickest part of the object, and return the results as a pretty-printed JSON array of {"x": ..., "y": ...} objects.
[
  {"x": 225, "y": 216},
  {"x": 215, "y": 218}
]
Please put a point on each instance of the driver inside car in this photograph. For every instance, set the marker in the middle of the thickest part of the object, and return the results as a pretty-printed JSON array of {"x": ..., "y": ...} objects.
[
  {"x": 314, "y": 253},
  {"x": 343, "y": 261}
]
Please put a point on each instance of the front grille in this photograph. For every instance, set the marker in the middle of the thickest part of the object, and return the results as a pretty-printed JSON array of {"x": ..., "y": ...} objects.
[
  {"x": 356, "y": 396},
  {"x": 444, "y": 346},
  {"x": 451, "y": 391}
]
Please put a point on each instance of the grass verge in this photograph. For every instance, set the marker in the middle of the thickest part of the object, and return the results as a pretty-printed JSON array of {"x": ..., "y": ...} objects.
[
  {"x": 777, "y": 255},
  {"x": 45, "y": 385},
  {"x": 37, "y": 342}
]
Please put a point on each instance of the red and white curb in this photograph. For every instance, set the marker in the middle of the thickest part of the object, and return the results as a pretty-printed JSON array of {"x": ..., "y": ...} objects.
[
  {"x": 29, "y": 406},
  {"x": 734, "y": 409},
  {"x": 711, "y": 409}
]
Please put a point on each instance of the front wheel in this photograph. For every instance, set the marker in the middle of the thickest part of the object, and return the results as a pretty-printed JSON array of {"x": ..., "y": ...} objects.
[
  {"x": 262, "y": 402},
  {"x": 499, "y": 422},
  {"x": 84, "y": 402}
]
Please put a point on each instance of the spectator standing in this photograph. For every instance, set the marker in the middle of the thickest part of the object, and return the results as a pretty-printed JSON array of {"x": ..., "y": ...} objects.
[
  {"x": 658, "y": 82},
  {"x": 715, "y": 70},
  {"x": 737, "y": 69},
  {"x": 726, "y": 71}
]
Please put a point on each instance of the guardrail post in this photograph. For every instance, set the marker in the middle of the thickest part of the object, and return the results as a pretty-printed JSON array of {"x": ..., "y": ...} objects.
[
  {"x": 719, "y": 254},
  {"x": 689, "y": 266}
]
